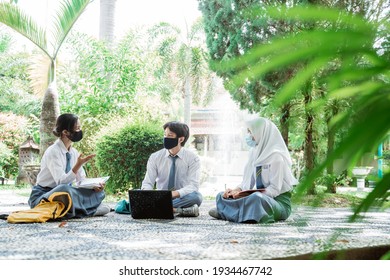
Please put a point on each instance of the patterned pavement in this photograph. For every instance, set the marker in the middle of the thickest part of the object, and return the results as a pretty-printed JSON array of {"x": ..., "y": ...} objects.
[{"x": 119, "y": 237}]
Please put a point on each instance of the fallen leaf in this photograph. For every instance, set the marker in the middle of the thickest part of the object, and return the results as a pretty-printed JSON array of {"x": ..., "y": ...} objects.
[
  {"x": 343, "y": 241},
  {"x": 233, "y": 241},
  {"x": 63, "y": 224}
]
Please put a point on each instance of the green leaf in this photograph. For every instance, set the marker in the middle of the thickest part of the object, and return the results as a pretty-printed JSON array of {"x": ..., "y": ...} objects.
[
  {"x": 293, "y": 86},
  {"x": 12, "y": 16},
  {"x": 66, "y": 17},
  {"x": 380, "y": 191}
]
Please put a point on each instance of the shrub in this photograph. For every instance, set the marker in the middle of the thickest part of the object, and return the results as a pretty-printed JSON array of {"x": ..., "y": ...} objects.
[
  {"x": 94, "y": 128},
  {"x": 6, "y": 157},
  {"x": 123, "y": 156},
  {"x": 332, "y": 181},
  {"x": 13, "y": 130}
]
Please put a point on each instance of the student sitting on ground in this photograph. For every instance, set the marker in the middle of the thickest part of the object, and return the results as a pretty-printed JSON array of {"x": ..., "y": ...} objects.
[
  {"x": 61, "y": 166},
  {"x": 177, "y": 169},
  {"x": 269, "y": 170}
]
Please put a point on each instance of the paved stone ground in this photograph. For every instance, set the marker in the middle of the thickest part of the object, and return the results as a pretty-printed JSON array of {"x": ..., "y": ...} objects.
[{"x": 117, "y": 237}]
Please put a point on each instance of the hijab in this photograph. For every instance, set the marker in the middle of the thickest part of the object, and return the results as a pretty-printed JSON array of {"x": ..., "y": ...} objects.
[{"x": 269, "y": 142}]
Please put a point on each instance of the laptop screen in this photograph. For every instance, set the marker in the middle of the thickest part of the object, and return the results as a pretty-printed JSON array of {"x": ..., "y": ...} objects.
[{"x": 151, "y": 204}]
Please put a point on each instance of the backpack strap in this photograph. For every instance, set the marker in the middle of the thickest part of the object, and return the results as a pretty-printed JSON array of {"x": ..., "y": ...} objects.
[{"x": 63, "y": 197}]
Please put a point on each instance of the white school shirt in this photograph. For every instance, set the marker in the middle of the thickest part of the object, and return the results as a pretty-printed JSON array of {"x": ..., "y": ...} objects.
[
  {"x": 187, "y": 171},
  {"x": 53, "y": 166},
  {"x": 273, "y": 177}
]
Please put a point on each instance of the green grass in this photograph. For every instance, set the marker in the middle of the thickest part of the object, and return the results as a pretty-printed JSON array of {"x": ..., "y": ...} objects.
[
  {"x": 338, "y": 200},
  {"x": 328, "y": 200},
  {"x": 6, "y": 187},
  {"x": 23, "y": 190}
]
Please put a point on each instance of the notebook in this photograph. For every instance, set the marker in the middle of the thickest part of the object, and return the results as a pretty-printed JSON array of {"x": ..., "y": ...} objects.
[
  {"x": 90, "y": 183},
  {"x": 242, "y": 194},
  {"x": 151, "y": 204}
]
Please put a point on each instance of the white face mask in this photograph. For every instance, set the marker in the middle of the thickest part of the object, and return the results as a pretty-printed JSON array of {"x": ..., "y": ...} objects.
[{"x": 249, "y": 140}]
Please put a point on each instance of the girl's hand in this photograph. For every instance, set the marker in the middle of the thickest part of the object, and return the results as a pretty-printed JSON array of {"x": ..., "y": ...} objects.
[
  {"x": 229, "y": 193},
  {"x": 226, "y": 194},
  {"x": 100, "y": 188},
  {"x": 235, "y": 194},
  {"x": 82, "y": 160}
]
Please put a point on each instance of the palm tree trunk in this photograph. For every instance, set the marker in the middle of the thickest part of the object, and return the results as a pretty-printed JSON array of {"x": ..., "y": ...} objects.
[
  {"x": 331, "y": 134},
  {"x": 107, "y": 21},
  {"x": 187, "y": 101},
  {"x": 309, "y": 133},
  {"x": 333, "y": 111},
  {"x": 309, "y": 144},
  {"x": 49, "y": 114},
  {"x": 284, "y": 122},
  {"x": 106, "y": 31}
]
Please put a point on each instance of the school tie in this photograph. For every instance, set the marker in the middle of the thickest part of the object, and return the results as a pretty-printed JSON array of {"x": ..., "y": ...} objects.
[
  {"x": 171, "y": 182},
  {"x": 259, "y": 181},
  {"x": 67, "y": 168}
]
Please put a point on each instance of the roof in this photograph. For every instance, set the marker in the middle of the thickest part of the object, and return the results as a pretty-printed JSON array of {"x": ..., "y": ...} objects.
[
  {"x": 29, "y": 143},
  {"x": 210, "y": 127}
]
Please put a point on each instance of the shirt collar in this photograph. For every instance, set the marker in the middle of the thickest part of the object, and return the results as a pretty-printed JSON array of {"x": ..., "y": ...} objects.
[
  {"x": 179, "y": 154},
  {"x": 61, "y": 144}
]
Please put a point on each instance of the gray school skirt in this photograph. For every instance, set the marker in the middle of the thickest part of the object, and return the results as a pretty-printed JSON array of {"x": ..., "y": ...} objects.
[
  {"x": 256, "y": 207},
  {"x": 84, "y": 201}
]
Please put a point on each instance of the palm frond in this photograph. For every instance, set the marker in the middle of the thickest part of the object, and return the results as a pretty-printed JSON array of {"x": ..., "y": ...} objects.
[
  {"x": 311, "y": 45},
  {"x": 196, "y": 30},
  {"x": 12, "y": 16},
  {"x": 38, "y": 72},
  {"x": 163, "y": 29},
  {"x": 66, "y": 17}
]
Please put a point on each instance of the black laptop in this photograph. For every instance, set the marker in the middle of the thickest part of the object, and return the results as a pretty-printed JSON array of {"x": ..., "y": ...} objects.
[{"x": 151, "y": 204}]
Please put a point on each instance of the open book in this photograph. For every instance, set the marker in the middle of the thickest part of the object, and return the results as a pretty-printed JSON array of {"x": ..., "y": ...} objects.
[
  {"x": 90, "y": 183},
  {"x": 247, "y": 192}
]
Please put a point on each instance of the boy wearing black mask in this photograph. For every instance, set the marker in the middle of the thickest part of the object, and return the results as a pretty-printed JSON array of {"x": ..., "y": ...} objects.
[{"x": 177, "y": 169}]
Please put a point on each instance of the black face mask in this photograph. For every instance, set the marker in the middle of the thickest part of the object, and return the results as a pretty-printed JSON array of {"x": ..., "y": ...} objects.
[
  {"x": 76, "y": 136},
  {"x": 170, "y": 143}
]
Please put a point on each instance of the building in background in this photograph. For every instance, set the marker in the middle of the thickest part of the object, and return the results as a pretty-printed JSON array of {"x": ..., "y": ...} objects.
[{"x": 217, "y": 133}]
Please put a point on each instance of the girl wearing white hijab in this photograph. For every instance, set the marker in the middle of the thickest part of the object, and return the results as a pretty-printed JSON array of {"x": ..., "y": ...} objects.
[{"x": 268, "y": 168}]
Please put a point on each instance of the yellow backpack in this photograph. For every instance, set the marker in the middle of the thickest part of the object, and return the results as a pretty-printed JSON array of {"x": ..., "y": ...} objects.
[{"x": 54, "y": 207}]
